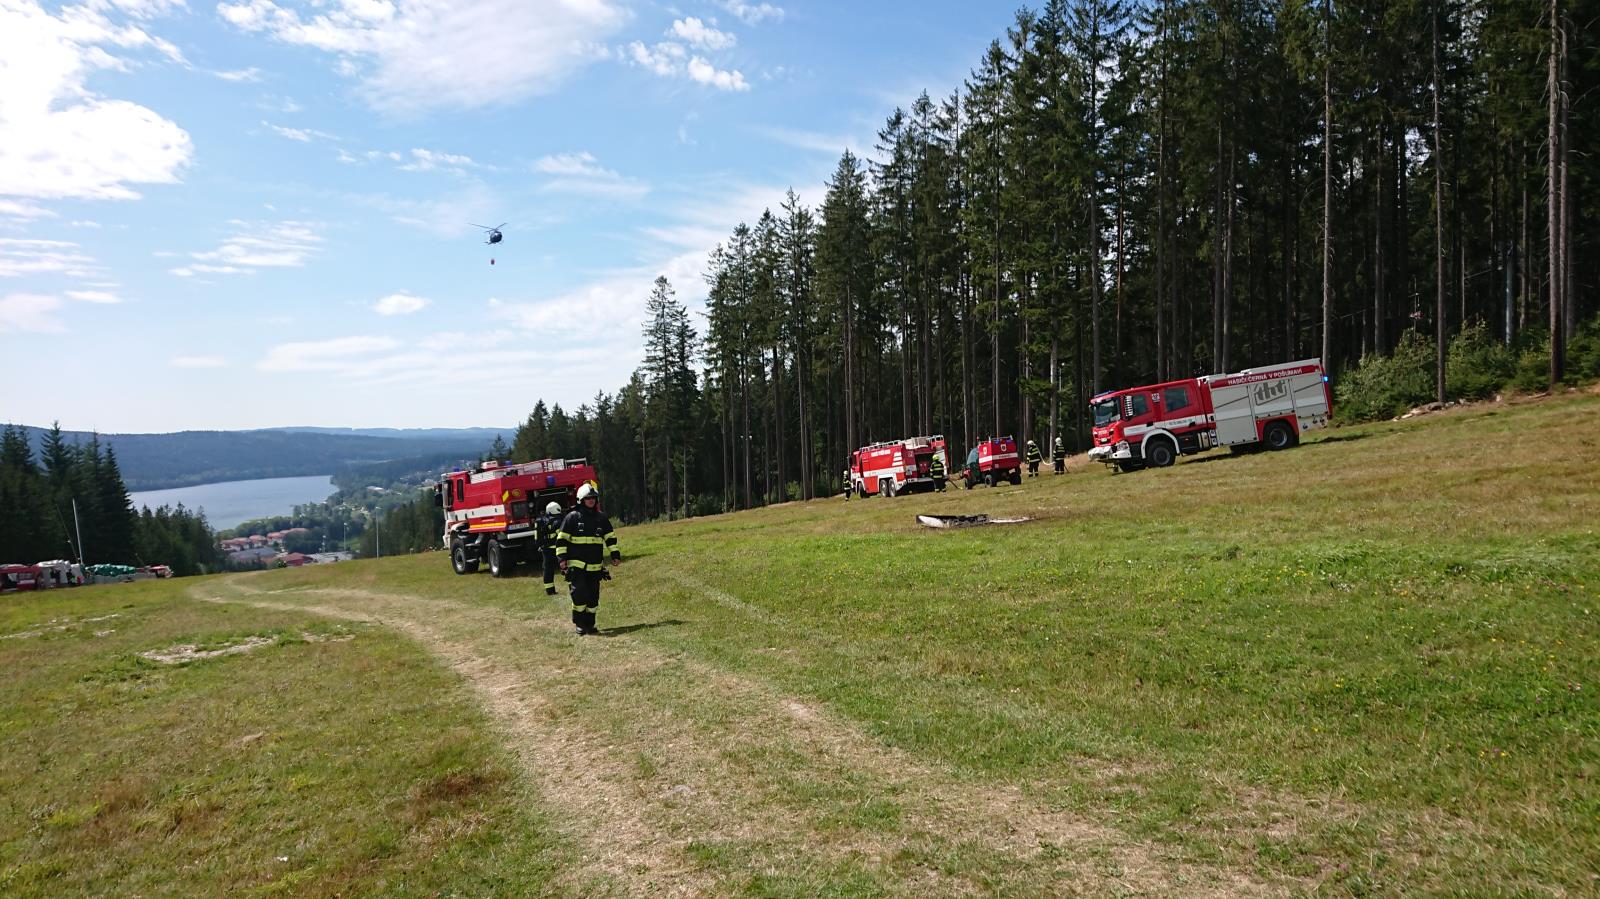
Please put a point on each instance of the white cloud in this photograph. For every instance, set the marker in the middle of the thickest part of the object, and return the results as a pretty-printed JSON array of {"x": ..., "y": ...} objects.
[
  {"x": 258, "y": 245},
  {"x": 22, "y": 256},
  {"x": 400, "y": 304},
  {"x": 250, "y": 75},
  {"x": 431, "y": 54},
  {"x": 341, "y": 354},
  {"x": 18, "y": 209},
  {"x": 834, "y": 144},
  {"x": 664, "y": 58},
  {"x": 581, "y": 173},
  {"x": 722, "y": 79},
  {"x": 699, "y": 34},
  {"x": 197, "y": 362},
  {"x": 59, "y": 139},
  {"x": 29, "y": 312},
  {"x": 303, "y": 135},
  {"x": 427, "y": 160},
  {"x": 670, "y": 60},
  {"x": 94, "y": 296},
  {"x": 753, "y": 13}
]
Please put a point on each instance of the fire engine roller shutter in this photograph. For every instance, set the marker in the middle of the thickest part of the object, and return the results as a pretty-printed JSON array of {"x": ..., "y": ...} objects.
[{"x": 1236, "y": 421}]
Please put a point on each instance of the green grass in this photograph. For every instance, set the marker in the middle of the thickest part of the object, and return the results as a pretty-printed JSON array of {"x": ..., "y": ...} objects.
[{"x": 1367, "y": 666}]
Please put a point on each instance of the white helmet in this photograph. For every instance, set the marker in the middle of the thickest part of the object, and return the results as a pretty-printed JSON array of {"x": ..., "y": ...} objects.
[
  {"x": 553, "y": 509},
  {"x": 588, "y": 490}
]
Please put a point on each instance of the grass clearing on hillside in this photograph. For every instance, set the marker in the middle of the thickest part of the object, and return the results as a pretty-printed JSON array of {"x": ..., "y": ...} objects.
[{"x": 1365, "y": 666}]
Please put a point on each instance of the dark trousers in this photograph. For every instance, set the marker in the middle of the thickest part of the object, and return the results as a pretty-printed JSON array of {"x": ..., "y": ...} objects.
[
  {"x": 585, "y": 598},
  {"x": 1061, "y": 464},
  {"x": 550, "y": 570},
  {"x": 938, "y": 482},
  {"x": 1033, "y": 469}
]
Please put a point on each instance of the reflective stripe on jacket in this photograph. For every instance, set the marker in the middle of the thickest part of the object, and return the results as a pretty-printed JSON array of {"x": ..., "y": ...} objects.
[{"x": 585, "y": 538}]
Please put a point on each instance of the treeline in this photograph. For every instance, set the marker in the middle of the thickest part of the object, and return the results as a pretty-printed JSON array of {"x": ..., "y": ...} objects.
[
  {"x": 37, "y": 498},
  {"x": 1123, "y": 193}
]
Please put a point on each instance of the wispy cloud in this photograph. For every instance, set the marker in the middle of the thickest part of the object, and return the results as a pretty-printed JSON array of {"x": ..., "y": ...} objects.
[
  {"x": 753, "y": 13},
  {"x": 19, "y": 209},
  {"x": 24, "y": 256},
  {"x": 812, "y": 140},
  {"x": 257, "y": 245},
  {"x": 303, "y": 135},
  {"x": 58, "y": 138},
  {"x": 439, "y": 54},
  {"x": 341, "y": 354},
  {"x": 94, "y": 296},
  {"x": 400, "y": 304},
  {"x": 250, "y": 75},
  {"x": 423, "y": 160},
  {"x": 698, "y": 34},
  {"x": 581, "y": 173}
]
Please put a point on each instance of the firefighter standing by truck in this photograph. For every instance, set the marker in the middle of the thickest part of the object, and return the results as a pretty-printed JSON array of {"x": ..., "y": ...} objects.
[
  {"x": 1033, "y": 459},
  {"x": 1058, "y": 455},
  {"x": 582, "y": 543},
  {"x": 936, "y": 471},
  {"x": 545, "y": 530}
]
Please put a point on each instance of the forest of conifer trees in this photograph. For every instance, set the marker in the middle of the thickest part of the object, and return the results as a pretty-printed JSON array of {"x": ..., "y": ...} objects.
[{"x": 1120, "y": 193}]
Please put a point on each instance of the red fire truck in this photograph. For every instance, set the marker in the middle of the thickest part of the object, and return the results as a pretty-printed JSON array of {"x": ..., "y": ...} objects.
[
  {"x": 1151, "y": 426},
  {"x": 489, "y": 511},
  {"x": 992, "y": 461},
  {"x": 895, "y": 466}
]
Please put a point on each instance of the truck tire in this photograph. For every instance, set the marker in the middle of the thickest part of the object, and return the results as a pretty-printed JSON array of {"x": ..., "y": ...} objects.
[
  {"x": 1278, "y": 435},
  {"x": 886, "y": 487},
  {"x": 459, "y": 559},
  {"x": 988, "y": 479},
  {"x": 1016, "y": 476},
  {"x": 501, "y": 562},
  {"x": 1158, "y": 451}
]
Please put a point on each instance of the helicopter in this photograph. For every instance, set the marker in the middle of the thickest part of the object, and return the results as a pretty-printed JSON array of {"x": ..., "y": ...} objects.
[{"x": 494, "y": 235}]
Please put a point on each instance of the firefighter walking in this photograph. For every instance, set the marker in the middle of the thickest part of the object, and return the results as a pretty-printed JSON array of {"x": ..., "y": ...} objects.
[
  {"x": 1058, "y": 455},
  {"x": 936, "y": 471},
  {"x": 545, "y": 529},
  {"x": 1033, "y": 459},
  {"x": 582, "y": 543}
]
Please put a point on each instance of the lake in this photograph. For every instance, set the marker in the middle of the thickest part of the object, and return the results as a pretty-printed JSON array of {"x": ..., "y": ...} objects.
[{"x": 231, "y": 502}]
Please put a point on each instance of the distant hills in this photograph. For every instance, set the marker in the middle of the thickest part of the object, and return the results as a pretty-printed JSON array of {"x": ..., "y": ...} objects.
[{"x": 187, "y": 458}]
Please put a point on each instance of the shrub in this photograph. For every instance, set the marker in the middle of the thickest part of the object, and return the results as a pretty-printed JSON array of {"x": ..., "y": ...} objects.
[
  {"x": 1477, "y": 365},
  {"x": 1533, "y": 367},
  {"x": 1384, "y": 386},
  {"x": 1583, "y": 354}
]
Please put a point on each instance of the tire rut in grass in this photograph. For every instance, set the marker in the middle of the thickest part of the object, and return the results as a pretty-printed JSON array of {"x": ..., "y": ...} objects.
[{"x": 660, "y": 774}]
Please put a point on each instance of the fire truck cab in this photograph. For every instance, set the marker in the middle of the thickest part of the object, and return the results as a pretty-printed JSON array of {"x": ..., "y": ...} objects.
[
  {"x": 1153, "y": 425},
  {"x": 489, "y": 511},
  {"x": 895, "y": 466},
  {"x": 992, "y": 461}
]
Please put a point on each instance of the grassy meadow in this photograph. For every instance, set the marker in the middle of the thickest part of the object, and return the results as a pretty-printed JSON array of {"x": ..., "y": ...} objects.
[{"x": 1365, "y": 666}]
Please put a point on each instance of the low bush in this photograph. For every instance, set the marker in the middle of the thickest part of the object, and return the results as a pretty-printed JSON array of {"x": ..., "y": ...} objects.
[{"x": 1384, "y": 386}]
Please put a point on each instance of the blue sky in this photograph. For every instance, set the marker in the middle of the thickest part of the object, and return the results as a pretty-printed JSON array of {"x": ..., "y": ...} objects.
[{"x": 255, "y": 213}]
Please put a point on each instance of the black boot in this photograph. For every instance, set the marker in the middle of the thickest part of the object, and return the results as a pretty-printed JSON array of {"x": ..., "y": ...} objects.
[{"x": 588, "y": 623}]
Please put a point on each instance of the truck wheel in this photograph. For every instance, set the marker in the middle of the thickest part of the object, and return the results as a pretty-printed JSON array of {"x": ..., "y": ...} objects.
[
  {"x": 988, "y": 479},
  {"x": 1159, "y": 453},
  {"x": 1278, "y": 436},
  {"x": 1016, "y": 476},
  {"x": 459, "y": 560},
  {"x": 500, "y": 562},
  {"x": 887, "y": 488}
]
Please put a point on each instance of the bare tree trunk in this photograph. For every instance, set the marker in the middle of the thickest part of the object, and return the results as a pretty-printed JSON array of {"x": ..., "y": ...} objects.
[
  {"x": 1116, "y": 342},
  {"x": 1377, "y": 248},
  {"x": 1557, "y": 275},
  {"x": 1327, "y": 184},
  {"x": 1438, "y": 224},
  {"x": 1227, "y": 260},
  {"x": 1569, "y": 301}
]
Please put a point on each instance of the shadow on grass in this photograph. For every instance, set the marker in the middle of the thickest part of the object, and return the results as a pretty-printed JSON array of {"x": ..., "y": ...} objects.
[
  {"x": 1337, "y": 438},
  {"x": 644, "y": 626}
]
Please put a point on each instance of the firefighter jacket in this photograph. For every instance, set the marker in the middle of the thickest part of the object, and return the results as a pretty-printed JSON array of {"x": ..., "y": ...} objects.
[
  {"x": 1058, "y": 453},
  {"x": 584, "y": 539},
  {"x": 1033, "y": 454},
  {"x": 936, "y": 468},
  {"x": 545, "y": 528}
]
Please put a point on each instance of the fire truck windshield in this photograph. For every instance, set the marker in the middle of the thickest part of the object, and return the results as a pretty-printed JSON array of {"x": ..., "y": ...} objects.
[{"x": 1105, "y": 411}]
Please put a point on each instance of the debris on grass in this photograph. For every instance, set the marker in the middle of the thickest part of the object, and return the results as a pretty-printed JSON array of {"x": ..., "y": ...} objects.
[
  {"x": 964, "y": 521},
  {"x": 188, "y": 652},
  {"x": 56, "y": 625}
]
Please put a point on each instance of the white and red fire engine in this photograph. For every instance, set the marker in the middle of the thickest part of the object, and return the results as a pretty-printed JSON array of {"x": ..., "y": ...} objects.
[
  {"x": 896, "y": 466},
  {"x": 1151, "y": 426},
  {"x": 992, "y": 461},
  {"x": 489, "y": 512}
]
